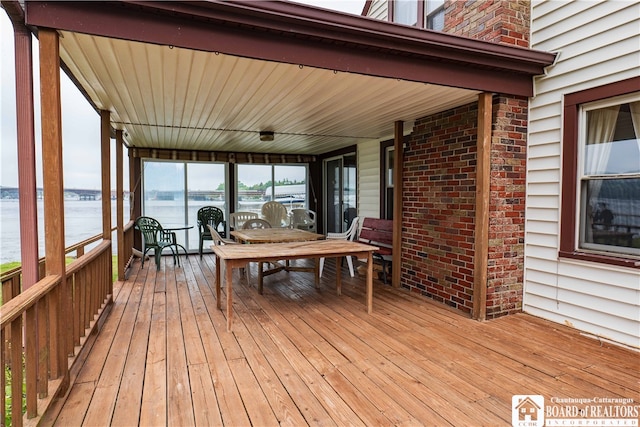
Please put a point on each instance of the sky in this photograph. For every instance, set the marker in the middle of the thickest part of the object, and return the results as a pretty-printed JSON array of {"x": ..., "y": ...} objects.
[{"x": 80, "y": 123}]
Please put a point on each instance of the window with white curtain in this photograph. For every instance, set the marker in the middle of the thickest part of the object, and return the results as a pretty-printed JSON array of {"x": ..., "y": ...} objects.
[
  {"x": 405, "y": 12},
  {"x": 609, "y": 175}
]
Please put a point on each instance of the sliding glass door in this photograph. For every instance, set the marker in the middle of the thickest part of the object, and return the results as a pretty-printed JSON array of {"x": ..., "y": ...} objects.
[
  {"x": 340, "y": 192},
  {"x": 174, "y": 191}
]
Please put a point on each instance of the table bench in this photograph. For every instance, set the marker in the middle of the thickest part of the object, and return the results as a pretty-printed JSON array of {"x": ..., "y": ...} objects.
[
  {"x": 238, "y": 256},
  {"x": 379, "y": 232}
]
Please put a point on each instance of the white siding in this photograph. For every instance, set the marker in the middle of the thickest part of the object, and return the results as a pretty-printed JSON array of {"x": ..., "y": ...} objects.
[
  {"x": 369, "y": 179},
  {"x": 598, "y": 43},
  {"x": 379, "y": 10}
]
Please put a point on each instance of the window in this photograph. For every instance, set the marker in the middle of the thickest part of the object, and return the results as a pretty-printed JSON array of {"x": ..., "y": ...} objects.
[
  {"x": 255, "y": 186},
  {"x": 405, "y": 12},
  {"x": 601, "y": 174},
  {"x": 610, "y": 178},
  {"x": 434, "y": 16}
]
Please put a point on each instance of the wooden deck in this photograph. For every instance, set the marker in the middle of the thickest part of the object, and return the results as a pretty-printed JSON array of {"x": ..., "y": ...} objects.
[{"x": 298, "y": 356}]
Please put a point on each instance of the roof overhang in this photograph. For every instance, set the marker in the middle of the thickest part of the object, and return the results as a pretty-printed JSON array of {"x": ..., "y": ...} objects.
[{"x": 210, "y": 75}]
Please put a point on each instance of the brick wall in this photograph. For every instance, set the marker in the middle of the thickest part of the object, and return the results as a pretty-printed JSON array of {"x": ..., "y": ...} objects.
[
  {"x": 439, "y": 207},
  {"x": 496, "y": 21},
  {"x": 505, "y": 273}
]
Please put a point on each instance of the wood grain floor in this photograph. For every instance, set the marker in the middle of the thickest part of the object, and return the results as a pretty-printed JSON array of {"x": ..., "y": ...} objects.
[{"x": 298, "y": 356}]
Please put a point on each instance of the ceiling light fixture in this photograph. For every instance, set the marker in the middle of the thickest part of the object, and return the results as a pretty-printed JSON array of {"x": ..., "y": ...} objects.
[{"x": 266, "y": 135}]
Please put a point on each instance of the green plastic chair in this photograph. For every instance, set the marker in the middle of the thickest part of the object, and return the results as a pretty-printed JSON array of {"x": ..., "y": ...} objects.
[
  {"x": 213, "y": 216},
  {"x": 154, "y": 237}
]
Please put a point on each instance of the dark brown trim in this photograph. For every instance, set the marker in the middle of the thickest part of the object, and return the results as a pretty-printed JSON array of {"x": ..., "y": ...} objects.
[
  {"x": 421, "y": 14},
  {"x": 135, "y": 189},
  {"x": 296, "y": 34},
  {"x": 367, "y": 8},
  {"x": 221, "y": 156},
  {"x": 570, "y": 147},
  {"x": 232, "y": 193},
  {"x": 383, "y": 176},
  {"x": 398, "y": 161},
  {"x": 120, "y": 204},
  {"x": 601, "y": 258},
  {"x": 391, "y": 10}
]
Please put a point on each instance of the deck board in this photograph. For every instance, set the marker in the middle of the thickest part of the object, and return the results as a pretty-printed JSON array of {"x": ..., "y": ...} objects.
[{"x": 302, "y": 356}]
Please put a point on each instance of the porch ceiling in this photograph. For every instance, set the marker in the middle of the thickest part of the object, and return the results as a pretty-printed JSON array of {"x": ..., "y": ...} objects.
[
  {"x": 176, "y": 98},
  {"x": 212, "y": 75}
]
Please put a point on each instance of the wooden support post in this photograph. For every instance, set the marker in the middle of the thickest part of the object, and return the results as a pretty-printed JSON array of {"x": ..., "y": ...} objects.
[
  {"x": 398, "y": 160},
  {"x": 26, "y": 155},
  {"x": 51, "y": 110},
  {"x": 120, "y": 203},
  {"x": 483, "y": 183},
  {"x": 135, "y": 190},
  {"x": 105, "y": 142}
]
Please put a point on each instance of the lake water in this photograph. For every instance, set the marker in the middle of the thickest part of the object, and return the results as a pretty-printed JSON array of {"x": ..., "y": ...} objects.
[{"x": 83, "y": 219}]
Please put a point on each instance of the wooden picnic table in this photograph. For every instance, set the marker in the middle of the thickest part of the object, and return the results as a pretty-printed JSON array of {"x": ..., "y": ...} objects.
[
  {"x": 238, "y": 256},
  {"x": 276, "y": 235}
]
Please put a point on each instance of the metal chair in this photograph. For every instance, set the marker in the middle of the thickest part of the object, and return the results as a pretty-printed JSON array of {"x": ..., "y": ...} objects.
[
  {"x": 256, "y": 223},
  {"x": 275, "y": 213},
  {"x": 304, "y": 219},
  {"x": 210, "y": 215},
  {"x": 350, "y": 234},
  {"x": 154, "y": 237},
  {"x": 237, "y": 219}
]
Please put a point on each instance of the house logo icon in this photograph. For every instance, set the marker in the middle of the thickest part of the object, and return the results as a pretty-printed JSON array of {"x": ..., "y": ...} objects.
[{"x": 527, "y": 411}]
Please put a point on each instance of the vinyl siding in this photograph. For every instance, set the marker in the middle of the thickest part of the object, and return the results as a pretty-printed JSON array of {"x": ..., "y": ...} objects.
[
  {"x": 379, "y": 10},
  {"x": 369, "y": 179},
  {"x": 598, "y": 43}
]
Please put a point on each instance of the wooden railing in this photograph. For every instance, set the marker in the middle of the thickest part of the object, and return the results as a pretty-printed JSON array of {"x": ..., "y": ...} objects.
[
  {"x": 45, "y": 328},
  {"x": 11, "y": 280},
  {"x": 125, "y": 251}
]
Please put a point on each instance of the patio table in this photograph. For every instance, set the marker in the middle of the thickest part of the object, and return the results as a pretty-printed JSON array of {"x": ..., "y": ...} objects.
[
  {"x": 276, "y": 235},
  {"x": 238, "y": 256}
]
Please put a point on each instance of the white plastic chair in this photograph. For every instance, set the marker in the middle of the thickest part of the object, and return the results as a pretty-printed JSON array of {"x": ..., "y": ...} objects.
[
  {"x": 350, "y": 234},
  {"x": 276, "y": 214},
  {"x": 236, "y": 219},
  {"x": 303, "y": 219}
]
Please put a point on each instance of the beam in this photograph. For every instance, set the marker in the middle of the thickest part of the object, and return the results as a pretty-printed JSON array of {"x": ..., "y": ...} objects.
[
  {"x": 483, "y": 184},
  {"x": 398, "y": 161},
  {"x": 277, "y": 31}
]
